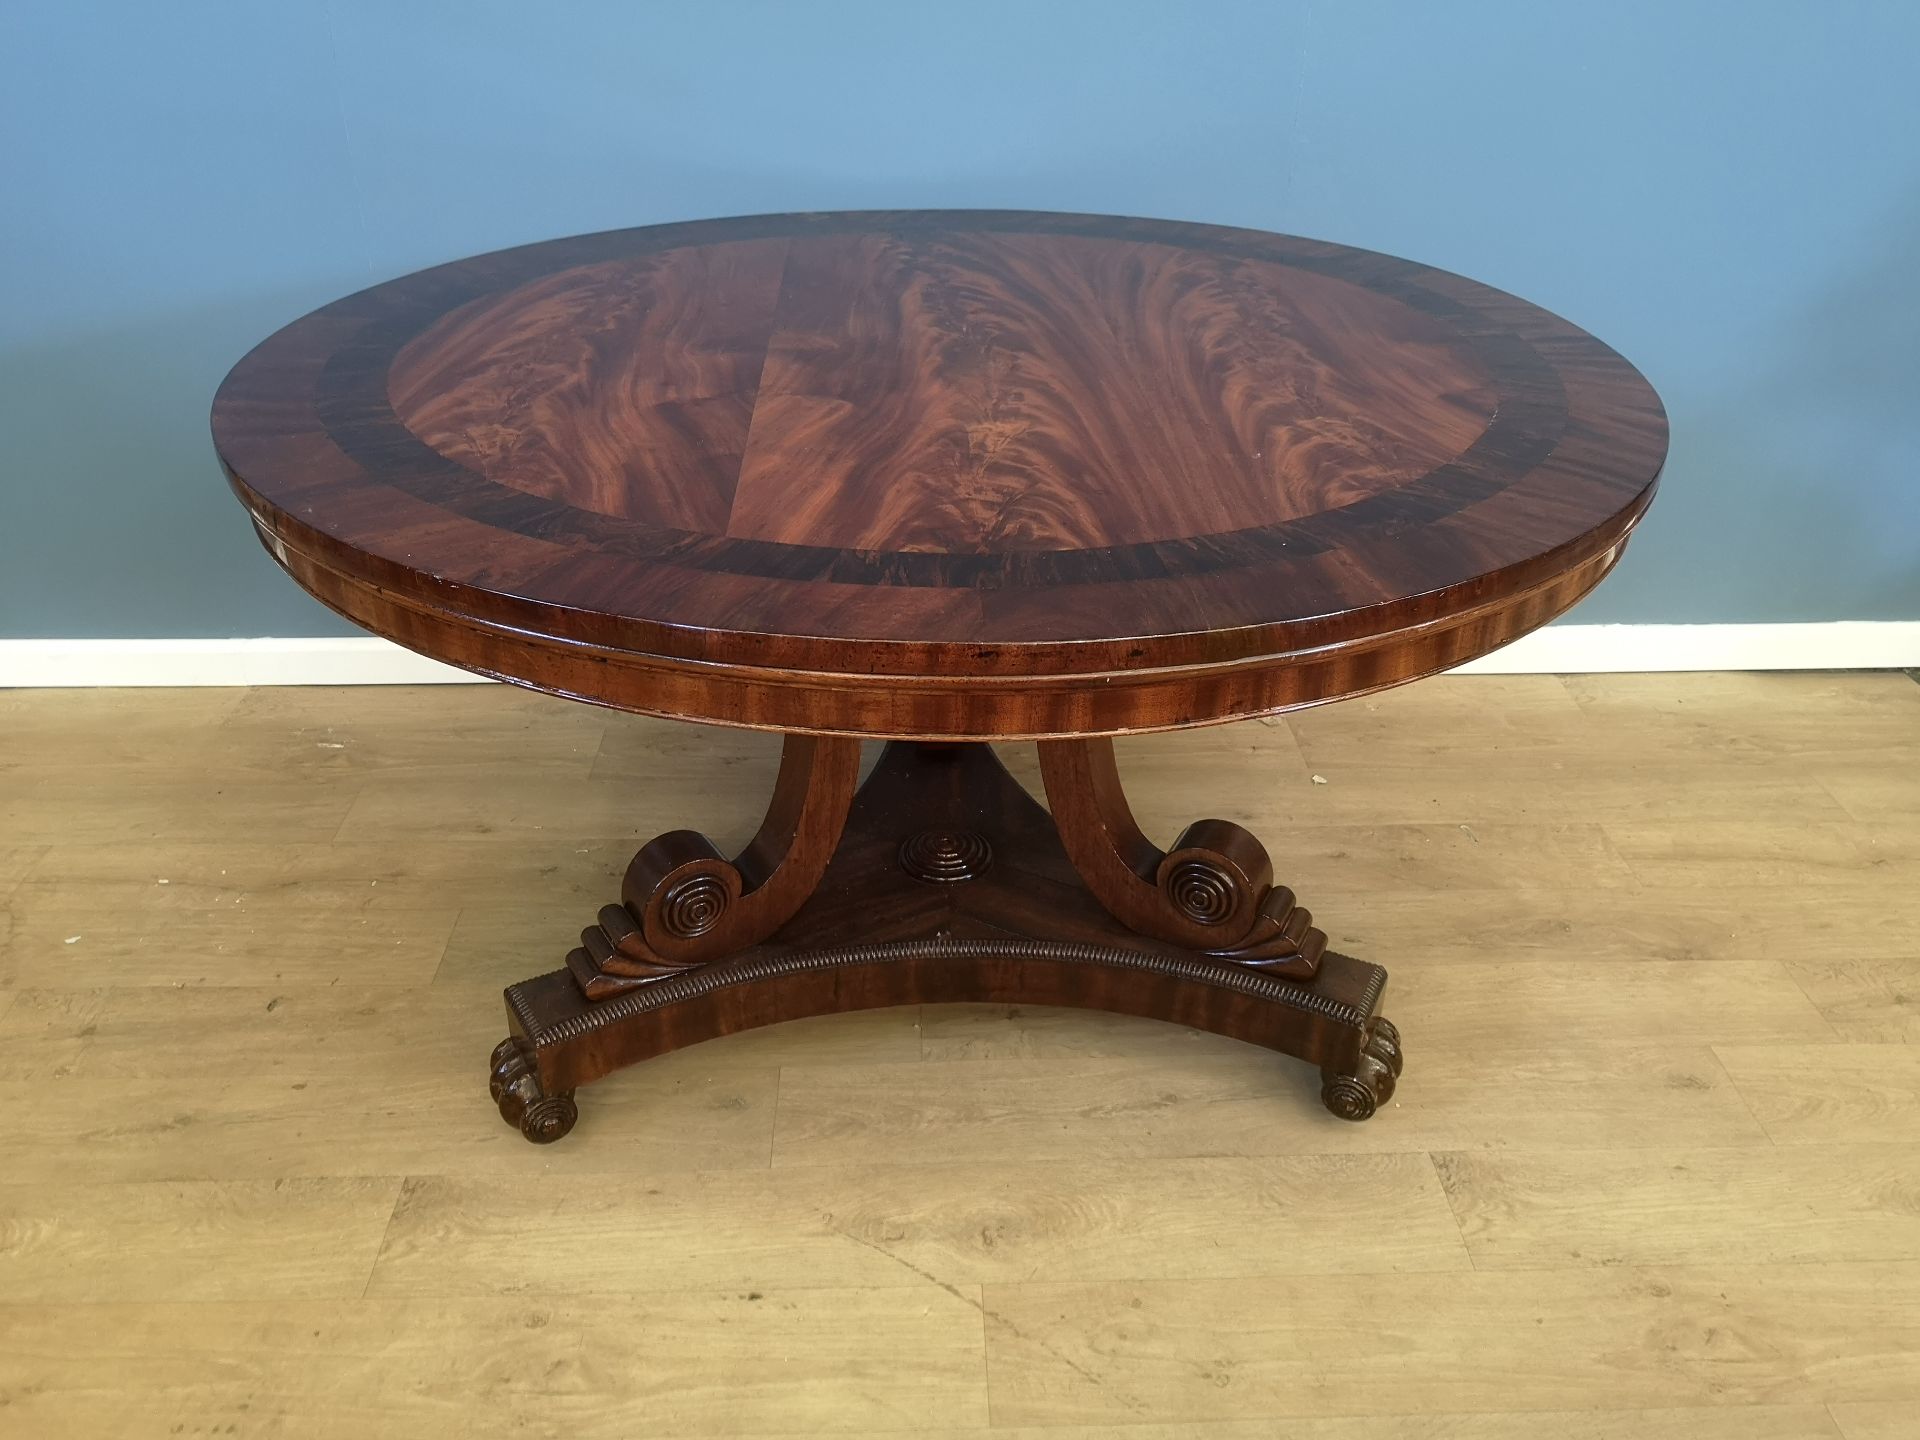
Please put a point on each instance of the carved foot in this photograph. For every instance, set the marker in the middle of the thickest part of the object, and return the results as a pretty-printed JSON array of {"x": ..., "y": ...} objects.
[
  {"x": 515, "y": 1087},
  {"x": 1357, "y": 1096}
]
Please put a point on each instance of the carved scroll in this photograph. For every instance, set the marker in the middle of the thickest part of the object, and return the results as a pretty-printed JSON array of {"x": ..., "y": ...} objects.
[
  {"x": 684, "y": 904},
  {"x": 1213, "y": 892}
]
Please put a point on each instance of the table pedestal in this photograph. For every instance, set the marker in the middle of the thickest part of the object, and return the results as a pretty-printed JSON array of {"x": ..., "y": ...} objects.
[{"x": 942, "y": 880}]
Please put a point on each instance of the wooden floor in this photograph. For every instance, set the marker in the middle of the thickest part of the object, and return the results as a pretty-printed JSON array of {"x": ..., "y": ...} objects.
[{"x": 1669, "y": 1186}]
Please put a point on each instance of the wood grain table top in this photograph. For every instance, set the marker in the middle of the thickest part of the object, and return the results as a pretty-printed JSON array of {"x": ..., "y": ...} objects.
[{"x": 883, "y": 457}]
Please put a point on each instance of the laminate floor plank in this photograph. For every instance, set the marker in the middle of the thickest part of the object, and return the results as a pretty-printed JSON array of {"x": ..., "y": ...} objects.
[
  {"x": 231, "y": 1034},
  {"x": 133, "y": 1033},
  {"x": 147, "y": 729},
  {"x": 1862, "y": 997},
  {"x": 949, "y": 1225},
  {"x": 567, "y": 810},
  {"x": 818, "y": 1360},
  {"x": 1586, "y": 1338},
  {"x": 1731, "y": 1422},
  {"x": 66, "y": 1242},
  {"x": 75, "y": 934},
  {"x": 1395, "y": 759},
  {"x": 419, "y": 732},
  {"x": 1870, "y": 1420},
  {"x": 1160, "y": 1103},
  {"x": 16, "y": 861},
  {"x": 1438, "y": 861},
  {"x": 685, "y": 1113},
  {"x": 1795, "y": 855},
  {"x": 1750, "y": 921},
  {"x": 1587, "y": 1003},
  {"x": 1882, "y": 793},
  {"x": 1853, "y": 1093},
  {"x": 1732, "y": 716},
  {"x": 1416, "y": 785},
  {"x": 81, "y": 802},
  {"x": 340, "y": 878},
  {"x": 1758, "y": 1205}
]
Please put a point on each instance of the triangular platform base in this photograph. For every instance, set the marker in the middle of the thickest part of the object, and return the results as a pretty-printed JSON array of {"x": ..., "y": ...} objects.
[{"x": 949, "y": 884}]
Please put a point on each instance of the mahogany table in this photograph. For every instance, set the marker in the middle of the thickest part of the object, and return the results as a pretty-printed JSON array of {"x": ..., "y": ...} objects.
[{"x": 942, "y": 478}]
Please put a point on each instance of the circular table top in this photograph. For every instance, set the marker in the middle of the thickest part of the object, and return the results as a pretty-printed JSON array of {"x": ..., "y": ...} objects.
[{"x": 942, "y": 473}]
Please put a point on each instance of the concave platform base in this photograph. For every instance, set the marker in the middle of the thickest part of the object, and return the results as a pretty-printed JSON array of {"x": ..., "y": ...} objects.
[{"x": 950, "y": 884}]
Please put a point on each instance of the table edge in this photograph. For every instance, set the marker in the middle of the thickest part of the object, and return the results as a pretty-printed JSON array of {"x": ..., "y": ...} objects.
[{"x": 938, "y": 690}]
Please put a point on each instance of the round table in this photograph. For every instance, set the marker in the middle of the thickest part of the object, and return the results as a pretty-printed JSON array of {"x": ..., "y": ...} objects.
[{"x": 942, "y": 478}]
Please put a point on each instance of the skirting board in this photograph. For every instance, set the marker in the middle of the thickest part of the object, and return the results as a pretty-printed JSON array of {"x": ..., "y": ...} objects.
[{"x": 366, "y": 660}]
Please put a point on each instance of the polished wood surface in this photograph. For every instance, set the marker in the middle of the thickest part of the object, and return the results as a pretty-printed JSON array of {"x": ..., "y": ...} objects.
[
  {"x": 1665, "y": 1192},
  {"x": 942, "y": 474}
]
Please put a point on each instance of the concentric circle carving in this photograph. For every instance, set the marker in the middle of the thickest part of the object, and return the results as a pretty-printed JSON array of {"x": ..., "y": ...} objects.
[
  {"x": 1203, "y": 893},
  {"x": 549, "y": 1118},
  {"x": 944, "y": 856},
  {"x": 1346, "y": 1097},
  {"x": 693, "y": 906}
]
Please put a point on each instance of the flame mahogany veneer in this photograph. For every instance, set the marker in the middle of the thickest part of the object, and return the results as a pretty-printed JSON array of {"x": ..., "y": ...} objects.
[{"x": 942, "y": 478}]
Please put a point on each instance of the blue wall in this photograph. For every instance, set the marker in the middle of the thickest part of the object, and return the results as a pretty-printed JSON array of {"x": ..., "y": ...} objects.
[{"x": 1729, "y": 193}]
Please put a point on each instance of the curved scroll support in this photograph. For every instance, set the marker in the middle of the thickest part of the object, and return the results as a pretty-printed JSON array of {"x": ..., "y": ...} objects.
[
  {"x": 1213, "y": 892},
  {"x": 684, "y": 904}
]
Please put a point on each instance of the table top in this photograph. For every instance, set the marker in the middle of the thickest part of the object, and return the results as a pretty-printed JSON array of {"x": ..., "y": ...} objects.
[{"x": 942, "y": 473}]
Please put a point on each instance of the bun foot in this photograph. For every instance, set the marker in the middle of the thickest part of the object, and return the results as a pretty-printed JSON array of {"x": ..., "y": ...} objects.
[
  {"x": 1356, "y": 1096},
  {"x": 515, "y": 1087}
]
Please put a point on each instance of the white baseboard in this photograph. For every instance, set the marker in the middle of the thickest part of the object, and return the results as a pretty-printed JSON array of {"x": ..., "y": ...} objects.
[
  {"x": 1621, "y": 649},
  {"x": 365, "y": 660},
  {"x": 347, "y": 660}
]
